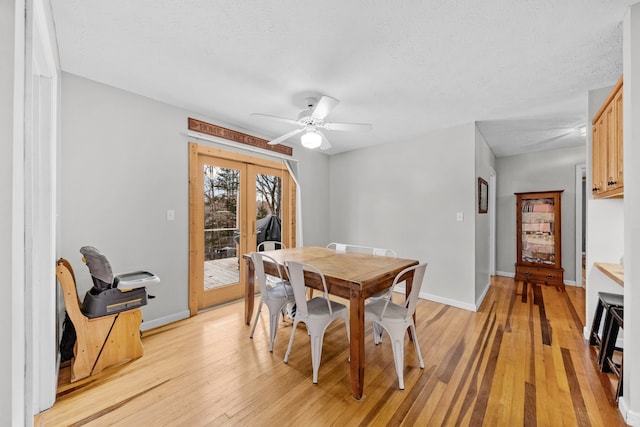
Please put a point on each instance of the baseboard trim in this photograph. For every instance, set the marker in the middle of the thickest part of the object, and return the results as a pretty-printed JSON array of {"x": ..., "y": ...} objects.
[
  {"x": 505, "y": 274},
  {"x": 161, "y": 321},
  {"x": 481, "y": 298},
  {"x": 630, "y": 417},
  {"x": 512, "y": 275},
  {"x": 447, "y": 301}
]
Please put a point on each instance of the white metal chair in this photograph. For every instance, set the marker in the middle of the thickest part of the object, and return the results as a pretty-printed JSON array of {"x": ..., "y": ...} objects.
[
  {"x": 270, "y": 245},
  {"x": 276, "y": 295},
  {"x": 317, "y": 313},
  {"x": 395, "y": 319},
  {"x": 377, "y": 331},
  {"x": 339, "y": 247},
  {"x": 344, "y": 248}
]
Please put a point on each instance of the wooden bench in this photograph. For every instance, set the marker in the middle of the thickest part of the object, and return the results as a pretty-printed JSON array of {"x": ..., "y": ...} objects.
[{"x": 101, "y": 341}]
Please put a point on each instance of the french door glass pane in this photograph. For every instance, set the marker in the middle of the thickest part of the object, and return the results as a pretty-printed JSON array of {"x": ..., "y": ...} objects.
[
  {"x": 268, "y": 208},
  {"x": 221, "y": 229}
]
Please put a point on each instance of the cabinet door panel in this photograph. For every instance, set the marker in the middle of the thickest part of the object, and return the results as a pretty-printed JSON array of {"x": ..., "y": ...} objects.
[
  {"x": 607, "y": 147},
  {"x": 619, "y": 177},
  {"x": 611, "y": 147},
  {"x": 599, "y": 157}
]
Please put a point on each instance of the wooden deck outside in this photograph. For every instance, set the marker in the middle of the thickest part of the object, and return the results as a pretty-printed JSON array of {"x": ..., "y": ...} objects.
[{"x": 221, "y": 272}]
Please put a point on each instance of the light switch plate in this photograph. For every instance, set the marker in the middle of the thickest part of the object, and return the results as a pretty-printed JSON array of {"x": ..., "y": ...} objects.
[{"x": 459, "y": 216}]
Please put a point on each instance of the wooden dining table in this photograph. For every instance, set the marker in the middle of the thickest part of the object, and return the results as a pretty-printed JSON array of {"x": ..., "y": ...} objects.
[{"x": 350, "y": 275}]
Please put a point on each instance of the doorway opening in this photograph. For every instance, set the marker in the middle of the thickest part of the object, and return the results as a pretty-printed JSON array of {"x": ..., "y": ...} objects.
[{"x": 492, "y": 221}]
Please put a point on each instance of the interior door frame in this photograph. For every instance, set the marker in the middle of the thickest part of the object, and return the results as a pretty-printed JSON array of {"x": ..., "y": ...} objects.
[
  {"x": 581, "y": 172},
  {"x": 492, "y": 221},
  {"x": 196, "y": 238},
  {"x": 40, "y": 195}
]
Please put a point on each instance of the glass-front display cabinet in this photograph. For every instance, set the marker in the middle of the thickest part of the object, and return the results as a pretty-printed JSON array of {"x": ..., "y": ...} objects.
[{"x": 538, "y": 238}]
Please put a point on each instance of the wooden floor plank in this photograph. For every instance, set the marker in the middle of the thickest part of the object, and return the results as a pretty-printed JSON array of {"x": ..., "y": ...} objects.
[{"x": 519, "y": 360}]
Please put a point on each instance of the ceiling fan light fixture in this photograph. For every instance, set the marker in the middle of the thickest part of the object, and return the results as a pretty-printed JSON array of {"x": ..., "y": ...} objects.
[{"x": 311, "y": 139}]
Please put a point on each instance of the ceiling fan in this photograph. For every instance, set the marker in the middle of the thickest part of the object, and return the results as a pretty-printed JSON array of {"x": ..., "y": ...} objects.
[
  {"x": 311, "y": 122},
  {"x": 572, "y": 132}
]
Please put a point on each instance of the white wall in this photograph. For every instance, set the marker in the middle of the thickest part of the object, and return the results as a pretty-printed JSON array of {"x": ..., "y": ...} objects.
[
  {"x": 14, "y": 404},
  {"x": 405, "y": 196},
  {"x": 612, "y": 224},
  {"x": 631, "y": 43},
  {"x": 545, "y": 171},
  {"x": 605, "y": 226},
  {"x": 314, "y": 183},
  {"x": 123, "y": 164},
  {"x": 7, "y": 46},
  {"x": 41, "y": 105},
  {"x": 485, "y": 161}
]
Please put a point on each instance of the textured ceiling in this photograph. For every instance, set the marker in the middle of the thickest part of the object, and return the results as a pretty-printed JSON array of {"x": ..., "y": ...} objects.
[{"x": 520, "y": 68}]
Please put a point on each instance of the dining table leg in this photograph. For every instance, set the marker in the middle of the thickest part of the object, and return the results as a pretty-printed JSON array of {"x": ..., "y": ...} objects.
[
  {"x": 356, "y": 364},
  {"x": 249, "y": 290}
]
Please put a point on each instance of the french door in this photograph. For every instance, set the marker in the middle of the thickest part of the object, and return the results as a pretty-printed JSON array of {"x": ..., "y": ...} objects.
[{"x": 236, "y": 201}]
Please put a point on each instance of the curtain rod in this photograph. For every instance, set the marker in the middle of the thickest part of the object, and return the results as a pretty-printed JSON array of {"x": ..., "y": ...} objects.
[{"x": 223, "y": 141}]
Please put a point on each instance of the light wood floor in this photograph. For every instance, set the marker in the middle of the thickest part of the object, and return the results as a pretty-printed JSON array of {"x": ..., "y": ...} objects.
[{"x": 520, "y": 360}]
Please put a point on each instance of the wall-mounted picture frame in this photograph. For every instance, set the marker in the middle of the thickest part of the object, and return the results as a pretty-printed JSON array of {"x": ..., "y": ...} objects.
[{"x": 483, "y": 196}]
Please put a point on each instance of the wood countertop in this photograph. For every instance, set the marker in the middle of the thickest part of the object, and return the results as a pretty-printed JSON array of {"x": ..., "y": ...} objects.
[{"x": 613, "y": 271}]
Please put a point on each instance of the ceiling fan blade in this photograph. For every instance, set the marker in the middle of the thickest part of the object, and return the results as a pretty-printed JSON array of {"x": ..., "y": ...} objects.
[
  {"x": 347, "y": 126},
  {"x": 287, "y": 135},
  {"x": 282, "y": 119},
  {"x": 324, "y": 107},
  {"x": 325, "y": 141},
  {"x": 552, "y": 139}
]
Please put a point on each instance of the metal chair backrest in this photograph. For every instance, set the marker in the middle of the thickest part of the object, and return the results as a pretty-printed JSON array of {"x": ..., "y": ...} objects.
[
  {"x": 270, "y": 245},
  {"x": 258, "y": 264},
  {"x": 412, "y": 299},
  {"x": 346, "y": 247},
  {"x": 296, "y": 279}
]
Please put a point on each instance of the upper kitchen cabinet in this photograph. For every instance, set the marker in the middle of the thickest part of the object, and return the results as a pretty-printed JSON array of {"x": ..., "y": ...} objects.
[{"x": 607, "y": 167}]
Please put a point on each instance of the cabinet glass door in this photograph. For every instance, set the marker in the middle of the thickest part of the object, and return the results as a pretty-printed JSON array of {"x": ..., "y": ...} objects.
[{"x": 538, "y": 230}]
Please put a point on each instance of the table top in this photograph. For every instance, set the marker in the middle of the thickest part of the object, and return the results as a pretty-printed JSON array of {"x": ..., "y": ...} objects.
[{"x": 356, "y": 268}]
